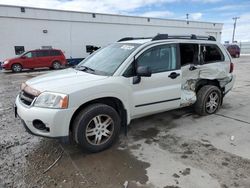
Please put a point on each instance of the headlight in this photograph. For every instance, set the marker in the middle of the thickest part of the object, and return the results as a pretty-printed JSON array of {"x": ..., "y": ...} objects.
[
  {"x": 5, "y": 62},
  {"x": 52, "y": 100}
]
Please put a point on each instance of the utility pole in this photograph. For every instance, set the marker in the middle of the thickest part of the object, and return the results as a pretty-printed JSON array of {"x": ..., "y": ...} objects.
[
  {"x": 235, "y": 20},
  {"x": 187, "y": 15}
]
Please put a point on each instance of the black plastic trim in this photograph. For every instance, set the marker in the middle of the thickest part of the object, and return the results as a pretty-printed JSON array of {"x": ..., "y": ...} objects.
[
  {"x": 65, "y": 139},
  {"x": 146, "y": 104}
]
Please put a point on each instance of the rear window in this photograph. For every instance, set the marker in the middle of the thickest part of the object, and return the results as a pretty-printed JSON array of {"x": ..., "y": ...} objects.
[
  {"x": 236, "y": 47},
  {"x": 211, "y": 53},
  {"x": 55, "y": 53}
]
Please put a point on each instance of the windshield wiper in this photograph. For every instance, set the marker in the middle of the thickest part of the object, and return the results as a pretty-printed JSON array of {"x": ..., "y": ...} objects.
[{"x": 84, "y": 68}]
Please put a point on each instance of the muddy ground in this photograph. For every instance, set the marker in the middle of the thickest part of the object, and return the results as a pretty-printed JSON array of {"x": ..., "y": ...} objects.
[{"x": 175, "y": 149}]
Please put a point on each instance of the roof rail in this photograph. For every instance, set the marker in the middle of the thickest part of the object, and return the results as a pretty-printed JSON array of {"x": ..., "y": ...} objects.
[
  {"x": 133, "y": 38},
  {"x": 191, "y": 37},
  {"x": 166, "y": 36}
]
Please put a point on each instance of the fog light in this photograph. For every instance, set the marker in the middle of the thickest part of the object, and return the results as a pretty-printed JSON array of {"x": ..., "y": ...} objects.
[{"x": 38, "y": 124}]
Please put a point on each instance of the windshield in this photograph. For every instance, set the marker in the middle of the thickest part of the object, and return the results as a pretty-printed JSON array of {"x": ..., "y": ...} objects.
[{"x": 105, "y": 61}]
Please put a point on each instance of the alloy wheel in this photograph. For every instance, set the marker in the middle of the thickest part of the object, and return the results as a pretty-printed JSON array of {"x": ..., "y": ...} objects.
[
  {"x": 99, "y": 130},
  {"x": 212, "y": 102}
]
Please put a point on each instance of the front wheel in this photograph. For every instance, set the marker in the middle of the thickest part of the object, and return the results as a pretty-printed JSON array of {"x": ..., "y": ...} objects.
[
  {"x": 208, "y": 101},
  {"x": 16, "y": 67},
  {"x": 97, "y": 127}
]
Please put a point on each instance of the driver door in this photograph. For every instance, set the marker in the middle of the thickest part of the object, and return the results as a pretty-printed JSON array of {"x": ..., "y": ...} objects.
[
  {"x": 161, "y": 91},
  {"x": 30, "y": 60}
]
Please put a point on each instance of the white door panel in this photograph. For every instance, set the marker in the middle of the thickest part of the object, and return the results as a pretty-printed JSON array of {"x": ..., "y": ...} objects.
[
  {"x": 157, "y": 93},
  {"x": 162, "y": 90}
]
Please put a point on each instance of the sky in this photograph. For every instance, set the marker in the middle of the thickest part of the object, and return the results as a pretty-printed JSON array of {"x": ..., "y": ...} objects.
[{"x": 219, "y": 11}]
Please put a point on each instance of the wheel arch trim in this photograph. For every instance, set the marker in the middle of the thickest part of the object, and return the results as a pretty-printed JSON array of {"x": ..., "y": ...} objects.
[{"x": 120, "y": 107}]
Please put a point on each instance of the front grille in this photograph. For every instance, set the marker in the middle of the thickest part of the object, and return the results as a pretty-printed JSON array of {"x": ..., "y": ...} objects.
[{"x": 26, "y": 98}]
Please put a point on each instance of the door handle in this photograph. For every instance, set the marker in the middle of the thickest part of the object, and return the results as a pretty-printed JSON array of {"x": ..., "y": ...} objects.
[
  {"x": 192, "y": 67},
  {"x": 174, "y": 75}
]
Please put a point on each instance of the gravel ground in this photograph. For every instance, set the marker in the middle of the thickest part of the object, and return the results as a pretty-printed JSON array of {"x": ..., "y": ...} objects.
[{"x": 175, "y": 149}]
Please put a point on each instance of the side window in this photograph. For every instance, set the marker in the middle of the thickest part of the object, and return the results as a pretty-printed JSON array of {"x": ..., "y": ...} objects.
[
  {"x": 46, "y": 53},
  {"x": 55, "y": 53},
  {"x": 30, "y": 55},
  {"x": 42, "y": 53},
  {"x": 39, "y": 54},
  {"x": 211, "y": 53},
  {"x": 189, "y": 54},
  {"x": 129, "y": 71},
  {"x": 159, "y": 59}
]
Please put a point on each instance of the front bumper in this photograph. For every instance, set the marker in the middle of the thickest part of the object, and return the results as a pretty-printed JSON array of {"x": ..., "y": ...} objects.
[
  {"x": 57, "y": 121},
  {"x": 5, "y": 66}
]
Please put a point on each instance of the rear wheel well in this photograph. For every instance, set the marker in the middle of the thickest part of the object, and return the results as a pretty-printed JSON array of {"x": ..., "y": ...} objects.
[
  {"x": 204, "y": 82},
  {"x": 110, "y": 101},
  {"x": 56, "y": 60}
]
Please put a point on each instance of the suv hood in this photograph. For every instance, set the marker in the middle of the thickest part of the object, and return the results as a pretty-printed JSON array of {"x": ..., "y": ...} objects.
[
  {"x": 63, "y": 81},
  {"x": 12, "y": 59}
]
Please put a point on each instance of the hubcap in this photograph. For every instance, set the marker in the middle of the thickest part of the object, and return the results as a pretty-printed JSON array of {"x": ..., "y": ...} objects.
[
  {"x": 17, "y": 68},
  {"x": 99, "y": 130},
  {"x": 56, "y": 65},
  {"x": 212, "y": 102}
]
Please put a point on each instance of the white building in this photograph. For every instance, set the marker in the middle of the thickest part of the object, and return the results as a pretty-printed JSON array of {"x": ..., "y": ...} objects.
[{"x": 25, "y": 28}]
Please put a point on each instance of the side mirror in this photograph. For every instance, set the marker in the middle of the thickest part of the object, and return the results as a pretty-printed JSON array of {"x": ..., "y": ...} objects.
[
  {"x": 23, "y": 57},
  {"x": 143, "y": 71}
]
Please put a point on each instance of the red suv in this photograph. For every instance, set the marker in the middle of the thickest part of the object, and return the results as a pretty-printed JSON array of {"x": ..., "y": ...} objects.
[
  {"x": 51, "y": 58},
  {"x": 234, "y": 50}
]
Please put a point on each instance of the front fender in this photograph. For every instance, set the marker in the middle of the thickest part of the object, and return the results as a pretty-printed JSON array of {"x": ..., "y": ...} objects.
[{"x": 83, "y": 99}]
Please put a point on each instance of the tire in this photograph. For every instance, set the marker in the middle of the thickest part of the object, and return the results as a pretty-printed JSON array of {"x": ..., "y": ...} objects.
[
  {"x": 16, "y": 67},
  {"x": 208, "y": 101},
  {"x": 89, "y": 129},
  {"x": 56, "y": 65}
]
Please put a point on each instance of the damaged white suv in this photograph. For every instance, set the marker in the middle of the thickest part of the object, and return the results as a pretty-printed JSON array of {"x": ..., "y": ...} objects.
[{"x": 131, "y": 78}]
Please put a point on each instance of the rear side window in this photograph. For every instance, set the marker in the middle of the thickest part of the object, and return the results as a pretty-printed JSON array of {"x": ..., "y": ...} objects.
[
  {"x": 42, "y": 53},
  {"x": 55, "y": 53},
  {"x": 211, "y": 53},
  {"x": 236, "y": 47},
  {"x": 189, "y": 54}
]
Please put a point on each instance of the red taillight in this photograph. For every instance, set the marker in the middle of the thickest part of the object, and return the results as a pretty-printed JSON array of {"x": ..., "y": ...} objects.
[{"x": 231, "y": 67}]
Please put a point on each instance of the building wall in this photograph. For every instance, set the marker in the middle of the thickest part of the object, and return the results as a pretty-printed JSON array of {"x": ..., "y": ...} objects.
[
  {"x": 244, "y": 47},
  {"x": 72, "y": 31}
]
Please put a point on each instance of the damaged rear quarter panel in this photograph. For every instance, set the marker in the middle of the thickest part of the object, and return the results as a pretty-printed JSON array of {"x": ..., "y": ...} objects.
[{"x": 212, "y": 71}]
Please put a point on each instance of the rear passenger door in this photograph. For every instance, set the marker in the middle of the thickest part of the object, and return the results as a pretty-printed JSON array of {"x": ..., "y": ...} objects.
[
  {"x": 201, "y": 61},
  {"x": 162, "y": 90}
]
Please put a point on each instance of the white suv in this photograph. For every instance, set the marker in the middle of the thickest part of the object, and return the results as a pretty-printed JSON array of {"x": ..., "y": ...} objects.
[{"x": 131, "y": 78}]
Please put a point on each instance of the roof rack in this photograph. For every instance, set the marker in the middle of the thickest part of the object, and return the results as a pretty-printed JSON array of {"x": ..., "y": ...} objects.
[
  {"x": 166, "y": 36},
  {"x": 191, "y": 37},
  {"x": 133, "y": 38}
]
